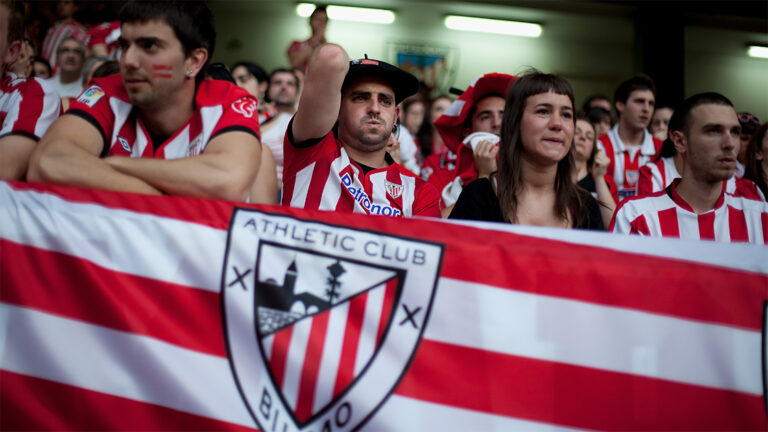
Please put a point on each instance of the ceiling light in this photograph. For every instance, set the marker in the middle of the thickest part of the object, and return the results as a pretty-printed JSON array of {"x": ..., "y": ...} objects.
[
  {"x": 758, "y": 51},
  {"x": 484, "y": 25},
  {"x": 347, "y": 13}
]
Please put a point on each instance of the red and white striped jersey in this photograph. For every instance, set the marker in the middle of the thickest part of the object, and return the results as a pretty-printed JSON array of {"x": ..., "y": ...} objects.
[
  {"x": 625, "y": 162},
  {"x": 666, "y": 214},
  {"x": 655, "y": 176},
  {"x": 323, "y": 177},
  {"x": 220, "y": 107},
  {"x": 107, "y": 33},
  {"x": 28, "y": 106},
  {"x": 56, "y": 34}
]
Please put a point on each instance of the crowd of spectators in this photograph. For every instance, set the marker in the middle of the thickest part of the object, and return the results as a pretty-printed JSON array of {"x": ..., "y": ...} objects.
[{"x": 133, "y": 103}]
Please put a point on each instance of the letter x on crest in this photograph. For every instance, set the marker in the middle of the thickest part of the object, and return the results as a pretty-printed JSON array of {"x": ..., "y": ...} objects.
[{"x": 239, "y": 278}]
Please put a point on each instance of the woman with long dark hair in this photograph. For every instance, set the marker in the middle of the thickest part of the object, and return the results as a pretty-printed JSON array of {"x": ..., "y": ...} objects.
[
  {"x": 534, "y": 182},
  {"x": 756, "y": 160}
]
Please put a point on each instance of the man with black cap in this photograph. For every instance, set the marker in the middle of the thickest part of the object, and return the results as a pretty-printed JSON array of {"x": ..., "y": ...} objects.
[{"x": 335, "y": 146}]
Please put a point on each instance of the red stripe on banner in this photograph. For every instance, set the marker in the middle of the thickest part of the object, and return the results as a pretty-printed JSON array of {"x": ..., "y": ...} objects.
[
  {"x": 691, "y": 290},
  {"x": 58, "y": 283},
  {"x": 278, "y": 360},
  {"x": 346, "y": 371},
  {"x": 707, "y": 226},
  {"x": 31, "y": 404},
  {"x": 737, "y": 224},
  {"x": 386, "y": 308},
  {"x": 311, "y": 367},
  {"x": 668, "y": 223},
  {"x": 570, "y": 395}
]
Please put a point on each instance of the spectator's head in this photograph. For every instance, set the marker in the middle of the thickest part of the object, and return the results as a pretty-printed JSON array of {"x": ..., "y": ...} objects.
[
  {"x": 756, "y": 166},
  {"x": 660, "y": 122},
  {"x": 749, "y": 124},
  {"x": 283, "y": 89},
  {"x": 413, "y": 113},
  {"x": 181, "y": 35},
  {"x": 107, "y": 68},
  {"x": 705, "y": 131},
  {"x": 251, "y": 78},
  {"x": 538, "y": 123},
  {"x": 90, "y": 66},
  {"x": 11, "y": 32},
  {"x": 597, "y": 100},
  {"x": 634, "y": 101},
  {"x": 438, "y": 105},
  {"x": 479, "y": 109},
  {"x": 65, "y": 9},
  {"x": 318, "y": 20},
  {"x": 584, "y": 148},
  {"x": 371, "y": 91},
  {"x": 41, "y": 68},
  {"x": 70, "y": 56},
  {"x": 600, "y": 119}
]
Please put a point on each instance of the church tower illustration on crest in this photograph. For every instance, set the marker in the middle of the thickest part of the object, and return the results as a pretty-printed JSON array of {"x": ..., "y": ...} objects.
[{"x": 278, "y": 303}]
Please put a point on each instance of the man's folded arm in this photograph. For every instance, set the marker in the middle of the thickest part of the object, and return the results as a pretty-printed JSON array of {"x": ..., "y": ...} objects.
[
  {"x": 68, "y": 154},
  {"x": 225, "y": 170}
]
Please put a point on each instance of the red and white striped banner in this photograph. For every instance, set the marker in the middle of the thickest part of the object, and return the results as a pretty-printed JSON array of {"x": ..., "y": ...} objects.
[{"x": 131, "y": 312}]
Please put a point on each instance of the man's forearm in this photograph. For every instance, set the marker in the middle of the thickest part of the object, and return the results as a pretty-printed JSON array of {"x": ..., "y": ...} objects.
[
  {"x": 75, "y": 167},
  {"x": 199, "y": 176}
]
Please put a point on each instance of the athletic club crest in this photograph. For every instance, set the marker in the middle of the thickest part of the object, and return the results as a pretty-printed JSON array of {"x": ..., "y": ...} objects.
[
  {"x": 393, "y": 190},
  {"x": 321, "y": 321}
]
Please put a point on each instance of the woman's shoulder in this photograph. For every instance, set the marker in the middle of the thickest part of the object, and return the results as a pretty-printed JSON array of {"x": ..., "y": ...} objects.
[
  {"x": 589, "y": 217},
  {"x": 477, "y": 201}
]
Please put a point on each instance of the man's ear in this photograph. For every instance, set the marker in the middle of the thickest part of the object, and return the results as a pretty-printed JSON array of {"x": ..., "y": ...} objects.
[
  {"x": 195, "y": 62},
  {"x": 14, "y": 49},
  {"x": 679, "y": 140},
  {"x": 619, "y": 105}
]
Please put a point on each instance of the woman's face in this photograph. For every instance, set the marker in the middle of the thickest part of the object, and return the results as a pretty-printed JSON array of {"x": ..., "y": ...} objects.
[
  {"x": 546, "y": 129},
  {"x": 438, "y": 106},
  {"x": 583, "y": 140},
  {"x": 414, "y": 117},
  {"x": 246, "y": 81},
  {"x": 763, "y": 154}
]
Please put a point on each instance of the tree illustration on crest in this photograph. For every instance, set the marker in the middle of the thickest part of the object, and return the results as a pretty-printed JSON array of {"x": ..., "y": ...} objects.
[{"x": 335, "y": 271}]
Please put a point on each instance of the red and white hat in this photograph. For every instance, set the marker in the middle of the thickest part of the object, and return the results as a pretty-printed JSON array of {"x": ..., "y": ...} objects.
[{"x": 450, "y": 125}]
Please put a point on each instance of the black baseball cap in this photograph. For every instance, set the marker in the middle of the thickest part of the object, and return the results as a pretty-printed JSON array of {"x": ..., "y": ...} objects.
[{"x": 403, "y": 83}]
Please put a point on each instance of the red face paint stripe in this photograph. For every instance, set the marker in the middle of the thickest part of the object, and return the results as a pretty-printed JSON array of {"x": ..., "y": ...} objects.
[{"x": 161, "y": 67}]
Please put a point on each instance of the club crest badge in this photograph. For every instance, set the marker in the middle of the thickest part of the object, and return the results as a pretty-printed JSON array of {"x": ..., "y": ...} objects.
[
  {"x": 321, "y": 321},
  {"x": 124, "y": 144},
  {"x": 632, "y": 177},
  {"x": 393, "y": 190},
  {"x": 245, "y": 106}
]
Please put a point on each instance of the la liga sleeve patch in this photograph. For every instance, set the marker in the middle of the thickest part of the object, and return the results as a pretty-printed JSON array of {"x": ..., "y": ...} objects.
[
  {"x": 245, "y": 106},
  {"x": 91, "y": 95}
]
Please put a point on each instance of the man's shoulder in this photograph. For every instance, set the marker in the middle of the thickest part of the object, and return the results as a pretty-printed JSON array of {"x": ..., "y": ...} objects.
[
  {"x": 213, "y": 92},
  {"x": 646, "y": 203}
]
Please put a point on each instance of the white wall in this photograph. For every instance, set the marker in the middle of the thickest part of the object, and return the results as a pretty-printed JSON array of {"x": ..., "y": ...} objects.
[
  {"x": 594, "y": 52},
  {"x": 568, "y": 45},
  {"x": 716, "y": 60}
]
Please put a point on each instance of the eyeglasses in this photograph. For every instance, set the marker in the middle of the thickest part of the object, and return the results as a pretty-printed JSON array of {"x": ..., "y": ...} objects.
[{"x": 746, "y": 118}]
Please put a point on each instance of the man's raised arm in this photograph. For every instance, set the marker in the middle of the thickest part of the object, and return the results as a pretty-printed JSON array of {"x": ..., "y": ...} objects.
[
  {"x": 321, "y": 97},
  {"x": 68, "y": 154}
]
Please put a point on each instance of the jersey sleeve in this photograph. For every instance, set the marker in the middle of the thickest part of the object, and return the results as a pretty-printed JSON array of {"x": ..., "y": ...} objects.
[
  {"x": 239, "y": 115},
  {"x": 645, "y": 181},
  {"x": 93, "y": 106},
  {"x": 427, "y": 203},
  {"x": 296, "y": 156},
  {"x": 32, "y": 111},
  {"x": 627, "y": 220}
]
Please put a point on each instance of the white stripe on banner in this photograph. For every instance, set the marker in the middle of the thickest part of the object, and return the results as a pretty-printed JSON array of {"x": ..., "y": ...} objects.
[
  {"x": 120, "y": 240},
  {"x": 121, "y": 364},
  {"x": 743, "y": 256},
  {"x": 297, "y": 350},
  {"x": 406, "y": 414},
  {"x": 602, "y": 337},
  {"x": 370, "y": 326}
]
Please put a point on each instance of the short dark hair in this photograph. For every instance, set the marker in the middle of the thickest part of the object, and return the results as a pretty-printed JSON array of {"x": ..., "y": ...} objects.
[
  {"x": 107, "y": 68},
  {"x": 596, "y": 115},
  {"x": 284, "y": 70},
  {"x": 38, "y": 59},
  {"x": 637, "y": 82},
  {"x": 319, "y": 8},
  {"x": 586, "y": 107},
  {"x": 191, "y": 21},
  {"x": 257, "y": 71},
  {"x": 681, "y": 118}
]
